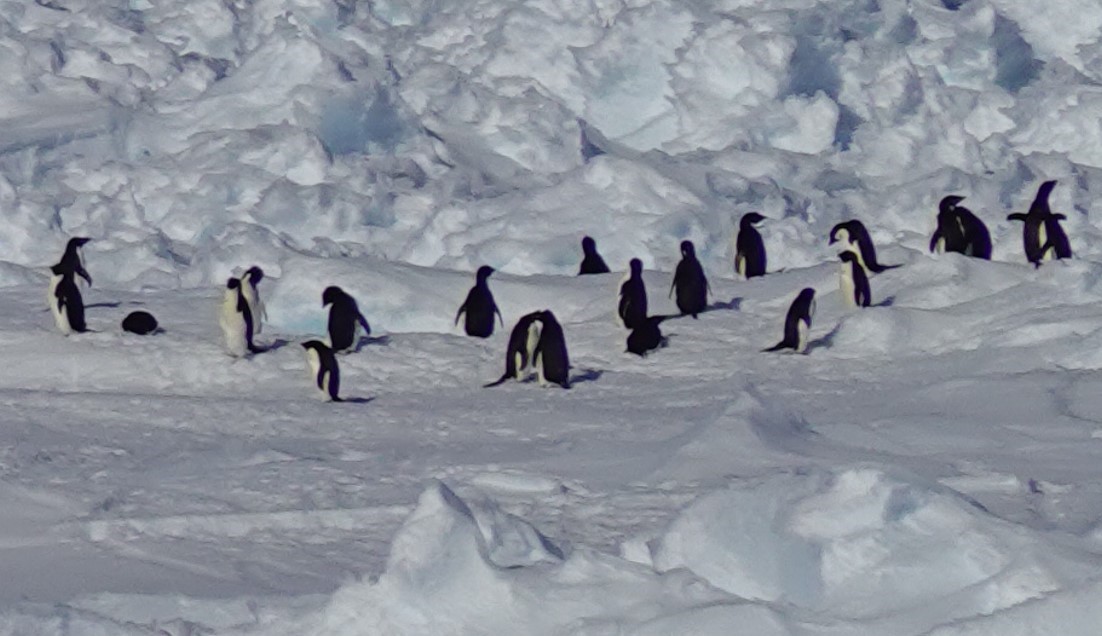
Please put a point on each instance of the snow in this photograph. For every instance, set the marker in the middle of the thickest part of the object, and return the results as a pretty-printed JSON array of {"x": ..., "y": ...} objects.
[{"x": 929, "y": 467}]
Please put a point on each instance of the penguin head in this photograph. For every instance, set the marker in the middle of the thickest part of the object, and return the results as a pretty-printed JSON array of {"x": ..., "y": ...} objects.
[
  {"x": 840, "y": 232},
  {"x": 316, "y": 345},
  {"x": 331, "y": 294},
  {"x": 687, "y": 249},
  {"x": 75, "y": 242},
  {"x": 1040, "y": 202},
  {"x": 254, "y": 274},
  {"x": 751, "y": 219},
  {"x": 484, "y": 273},
  {"x": 636, "y": 266},
  {"x": 233, "y": 283},
  {"x": 807, "y": 294},
  {"x": 589, "y": 246},
  {"x": 948, "y": 203}
]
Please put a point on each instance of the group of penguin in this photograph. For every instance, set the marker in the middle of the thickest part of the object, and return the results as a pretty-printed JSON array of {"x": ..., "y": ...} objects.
[{"x": 537, "y": 343}]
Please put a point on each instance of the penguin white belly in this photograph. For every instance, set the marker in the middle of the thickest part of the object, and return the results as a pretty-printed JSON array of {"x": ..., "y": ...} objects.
[
  {"x": 1042, "y": 238},
  {"x": 801, "y": 330},
  {"x": 740, "y": 265},
  {"x": 530, "y": 349},
  {"x": 314, "y": 364},
  {"x": 846, "y": 286},
  {"x": 939, "y": 247},
  {"x": 233, "y": 325},
  {"x": 856, "y": 249},
  {"x": 60, "y": 317}
]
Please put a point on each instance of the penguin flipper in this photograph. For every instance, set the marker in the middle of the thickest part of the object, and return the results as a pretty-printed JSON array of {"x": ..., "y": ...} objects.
[
  {"x": 1017, "y": 216},
  {"x": 497, "y": 382},
  {"x": 934, "y": 239}
]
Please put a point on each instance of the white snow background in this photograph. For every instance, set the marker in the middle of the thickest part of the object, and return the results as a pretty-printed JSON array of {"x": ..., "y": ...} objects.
[{"x": 932, "y": 466}]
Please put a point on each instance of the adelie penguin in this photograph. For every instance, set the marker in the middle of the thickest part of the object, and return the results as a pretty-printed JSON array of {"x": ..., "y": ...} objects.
[
  {"x": 853, "y": 236},
  {"x": 647, "y": 336},
  {"x": 519, "y": 355},
  {"x": 631, "y": 305},
  {"x": 63, "y": 297},
  {"x": 345, "y": 319},
  {"x": 689, "y": 282},
  {"x": 550, "y": 357},
  {"x": 958, "y": 230},
  {"x": 797, "y": 322},
  {"x": 853, "y": 282},
  {"x": 249, "y": 281},
  {"x": 140, "y": 322},
  {"x": 324, "y": 372},
  {"x": 592, "y": 263},
  {"x": 480, "y": 307},
  {"x": 749, "y": 247},
  {"x": 1042, "y": 235},
  {"x": 236, "y": 320}
]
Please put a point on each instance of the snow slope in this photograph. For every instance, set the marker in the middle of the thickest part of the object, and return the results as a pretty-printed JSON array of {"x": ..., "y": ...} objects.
[{"x": 930, "y": 467}]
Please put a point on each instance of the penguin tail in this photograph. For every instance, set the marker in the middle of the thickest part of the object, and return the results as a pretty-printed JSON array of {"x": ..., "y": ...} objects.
[
  {"x": 777, "y": 347},
  {"x": 499, "y": 381},
  {"x": 337, "y": 399}
]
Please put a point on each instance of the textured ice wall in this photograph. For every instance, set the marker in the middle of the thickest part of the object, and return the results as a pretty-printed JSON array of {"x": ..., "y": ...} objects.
[{"x": 193, "y": 138}]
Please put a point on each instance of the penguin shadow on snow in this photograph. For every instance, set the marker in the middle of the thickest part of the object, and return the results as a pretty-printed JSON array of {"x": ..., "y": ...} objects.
[
  {"x": 274, "y": 345},
  {"x": 887, "y": 302},
  {"x": 734, "y": 305},
  {"x": 823, "y": 342},
  {"x": 586, "y": 375},
  {"x": 104, "y": 305},
  {"x": 366, "y": 341}
]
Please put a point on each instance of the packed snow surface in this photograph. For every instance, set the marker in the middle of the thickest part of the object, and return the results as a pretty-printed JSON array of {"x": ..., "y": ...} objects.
[{"x": 933, "y": 465}]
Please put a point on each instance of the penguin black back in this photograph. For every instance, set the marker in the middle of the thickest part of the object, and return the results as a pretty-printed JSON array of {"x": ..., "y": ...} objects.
[
  {"x": 750, "y": 260},
  {"x": 140, "y": 322},
  {"x": 518, "y": 354},
  {"x": 646, "y": 337},
  {"x": 344, "y": 318},
  {"x": 797, "y": 322},
  {"x": 479, "y": 307},
  {"x": 324, "y": 369},
  {"x": 689, "y": 282},
  {"x": 66, "y": 301},
  {"x": 71, "y": 260},
  {"x": 632, "y": 305},
  {"x": 592, "y": 263},
  {"x": 976, "y": 236},
  {"x": 551, "y": 358},
  {"x": 1056, "y": 244}
]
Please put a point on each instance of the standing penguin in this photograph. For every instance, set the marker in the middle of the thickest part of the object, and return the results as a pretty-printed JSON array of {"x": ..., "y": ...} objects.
[
  {"x": 324, "y": 372},
  {"x": 345, "y": 319},
  {"x": 797, "y": 322},
  {"x": 236, "y": 320},
  {"x": 522, "y": 347},
  {"x": 690, "y": 282},
  {"x": 592, "y": 263},
  {"x": 853, "y": 235},
  {"x": 1042, "y": 235},
  {"x": 749, "y": 248},
  {"x": 550, "y": 357},
  {"x": 631, "y": 306},
  {"x": 853, "y": 282},
  {"x": 66, "y": 304},
  {"x": 480, "y": 307},
  {"x": 249, "y": 281}
]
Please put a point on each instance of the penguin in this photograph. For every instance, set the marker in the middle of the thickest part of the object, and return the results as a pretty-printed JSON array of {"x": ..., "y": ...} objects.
[
  {"x": 73, "y": 258},
  {"x": 749, "y": 248},
  {"x": 855, "y": 237},
  {"x": 66, "y": 304},
  {"x": 480, "y": 307},
  {"x": 797, "y": 322},
  {"x": 550, "y": 358},
  {"x": 236, "y": 320},
  {"x": 140, "y": 322},
  {"x": 959, "y": 230},
  {"x": 690, "y": 282},
  {"x": 631, "y": 307},
  {"x": 592, "y": 263},
  {"x": 324, "y": 372},
  {"x": 249, "y": 281},
  {"x": 1042, "y": 235},
  {"x": 345, "y": 319},
  {"x": 646, "y": 337},
  {"x": 522, "y": 346},
  {"x": 853, "y": 282}
]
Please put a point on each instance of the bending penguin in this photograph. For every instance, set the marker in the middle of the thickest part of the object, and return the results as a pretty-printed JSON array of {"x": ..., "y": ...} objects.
[
  {"x": 1042, "y": 235},
  {"x": 249, "y": 281},
  {"x": 855, "y": 237},
  {"x": 631, "y": 306},
  {"x": 324, "y": 371},
  {"x": 549, "y": 357},
  {"x": 749, "y": 248},
  {"x": 797, "y": 322},
  {"x": 592, "y": 263},
  {"x": 853, "y": 282},
  {"x": 63, "y": 296},
  {"x": 690, "y": 282},
  {"x": 140, "y": 322},
  {"x": 959, "y": 230},
  {"x": 345, "y": 319},
  {"x": 236, "y": 320},
  {"x": 646, "y": 337},
  {"x": 480, "y": 307},
  {"x": 522, "y": 346}
]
